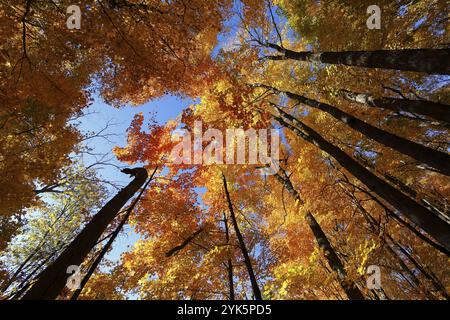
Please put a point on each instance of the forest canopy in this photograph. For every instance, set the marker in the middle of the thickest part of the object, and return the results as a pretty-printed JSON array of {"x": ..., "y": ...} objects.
[{"x": 309, "y": 159}]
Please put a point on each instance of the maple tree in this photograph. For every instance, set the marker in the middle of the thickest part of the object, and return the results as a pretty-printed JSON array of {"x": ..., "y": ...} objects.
[{"x": 363, "y": 163}]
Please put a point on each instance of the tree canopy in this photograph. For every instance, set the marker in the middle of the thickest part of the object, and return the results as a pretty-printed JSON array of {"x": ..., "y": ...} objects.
[{"x": 361, "y": 178}]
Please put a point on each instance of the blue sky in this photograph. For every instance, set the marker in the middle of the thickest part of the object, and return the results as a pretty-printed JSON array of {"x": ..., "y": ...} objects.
[{"x": 98, "y": 116}]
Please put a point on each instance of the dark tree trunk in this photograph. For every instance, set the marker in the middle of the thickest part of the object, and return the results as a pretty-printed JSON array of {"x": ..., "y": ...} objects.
[
  {"x": 53, "y": 278},
  {"x": 434, "y": 281},
  {"x": 432, "y": 61},
  {"x": 435, "y": 159},
  {"x": 418, "y": 214},
  {"x": 430, "y": 203},
  {"x": 35, "y": 251},
  {"x": 416, "y": 283},
  {"x": 399, "y": 219},
  {"x": 99, "y": 258},
  {"x": 229, "y": 263},
  {"x": 406, "y": 224},
  {"x": 335, "y": 263},
  {"x": 111, "y": 240},
  {"x": 24, "y": 263},
  {"x": 349, "y": 287},
  {"x": 188, "y": 240},
  {"x": 430, "y": 109},
  {"x": 25, "y": 283},
  {"x": 390, "y": 245},
  {"x": 247, "y": 261}
]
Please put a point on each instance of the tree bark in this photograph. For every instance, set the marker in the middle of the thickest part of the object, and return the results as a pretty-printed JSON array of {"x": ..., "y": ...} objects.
[
  {"x": 188, "y": 240},
  {"x": 430, "y": 203},
  {"x": 229, "y": 263},
  {"x": 35, "y": 251},
  {"x": 26, "y": 283},
  {"x": 111, "y": 240},
  {"x": 390, "y": 245},
  {"x": 53, "y": 278},
  {"x": 438, "y": 286},
  {"x": 438, "y": 111},
  {"x": 247, "y": 261},
  {"x": 349, "y": 287},
  {"x": 402, "y": 222},
  {"x": 418, "y": 214},
  {"x": 433, "y": 158},
  {"x": 432, "y": 61},
  {"x": 24, "y": 263}
]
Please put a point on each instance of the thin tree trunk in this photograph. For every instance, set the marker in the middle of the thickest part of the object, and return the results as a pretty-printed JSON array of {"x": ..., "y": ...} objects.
[
  {"x": 429, "y": 203},
  {"x": 430, "y": 109},
  {"x": 434, "y": 281},
  {"x": 188, "y": 240},
  {"x": 389, "y": 245},
  {"x": 418, "y": 214},
  {"x": 349, "y": 287},
  {"x": 53, "y": 278},
  {"x": 400, "y": 220},
  {"x": 416, "y": 282},
  {"x": 434, "y": 158},
  {"x": 24, "y": 263},
  {"x": 25, "y": 283},
  {"x": 432, "y": 61},
  {"x": 247, "y": 261},
  {"x": 35, "y": 251},
  {"x": 413, "y": 193},
  {"x": 229, "y": 263}
]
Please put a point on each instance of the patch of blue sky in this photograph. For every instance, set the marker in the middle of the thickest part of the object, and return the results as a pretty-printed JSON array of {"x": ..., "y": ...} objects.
[
  {"x": 403, "y": 10},
  {"x": 419, "y": 22},
  {"x": 98, "y": 115}
]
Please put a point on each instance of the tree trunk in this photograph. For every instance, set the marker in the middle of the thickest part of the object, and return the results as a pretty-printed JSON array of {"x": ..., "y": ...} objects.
[
  {"x": 430, "y": 109},
  {"x": 418, "y": 214},
  {"x": 435, "y": 159},
  {"x": 247, "y": 261},
  {"x": 188, "y": 240},
  {"x": 415, "y": 281},
  {"x": 335, "y": 263},
  {"x": 389, "y": 244},
  {"x": 53, "y": 278},
  {"x": 432, "y": 61},
  {"x": 111, "y": 240},
  {"x": 349, "y": 287},
  {"x": 406, "y": 224},
  {"x": 438, "y": 286},
  {"x": 25, "y": 283},
  {"x": 229, "y": 263},
  {"x": 428, "y": 202},
  {"x": 35, "y": 251},
  {"x": 24, "y": 263}
]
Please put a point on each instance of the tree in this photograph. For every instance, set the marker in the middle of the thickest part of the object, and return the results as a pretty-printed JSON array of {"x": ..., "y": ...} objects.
[
  {"x": 52, "y": 279},
  {"x": 128, "y": 52},
  {"x": 335, "y": 263},
  {"x": 242, "y": 246},
  {"x": 433, "y": 61},
  {"x": 418, "y": 214},
  {"x": 363, "y": 145},
  {"x": 436, "y": 159},
  {"x": 431, "y": 109}
]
